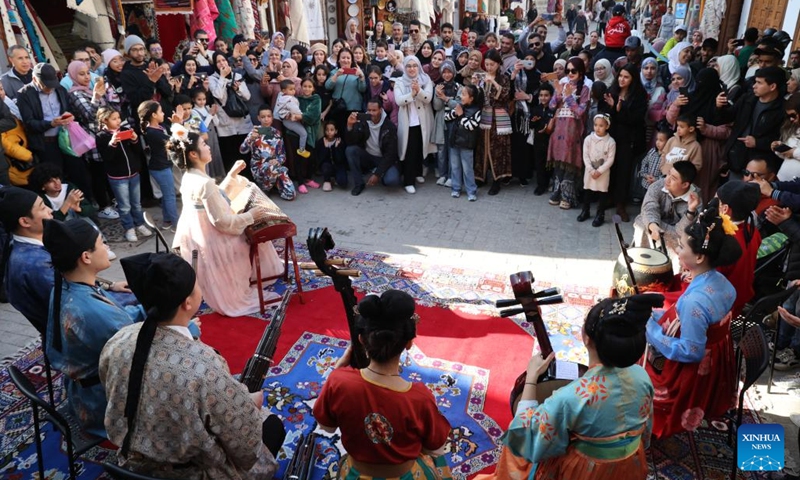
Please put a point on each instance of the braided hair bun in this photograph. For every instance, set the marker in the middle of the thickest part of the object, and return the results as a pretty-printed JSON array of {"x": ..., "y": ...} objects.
[
  {"x": 387, "y": 323},
  {"x": 712, "y": 235},
  {"x": 617, "y": 328}
]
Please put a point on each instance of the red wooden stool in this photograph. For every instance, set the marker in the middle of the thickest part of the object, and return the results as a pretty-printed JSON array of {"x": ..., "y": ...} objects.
[{"x": 256, "y": 237}]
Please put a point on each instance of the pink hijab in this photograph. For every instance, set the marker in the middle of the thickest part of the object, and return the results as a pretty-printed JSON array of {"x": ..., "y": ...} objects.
[{"x": 72, "y": 71}]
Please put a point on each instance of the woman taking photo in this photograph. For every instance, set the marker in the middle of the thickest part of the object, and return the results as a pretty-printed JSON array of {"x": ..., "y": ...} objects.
[
  {"x": 790, "y": 136},
  {"x": 413, "y": 93},
  {"x": 526, "y": 79},
  {"x": 85, "y": 102},
  {"x": 729, "y": 74},
  {"x": 690, "y": 358},
  {"x": 564, "y": 152},
  {"x": 209, "y": 226},
  {"x": 656, "y": 97},
  {"x": 626, "y": 103},
  {"x": 189, "y": 79},
  {"x": 391, "y": 427},
  {"x": 347, "y": 83},
  {"x": 493, "y": 155},
  {"x": 474, "y": 62},
  {"x": 598, "y": 427},
  {"x": 232, "y": 129}
]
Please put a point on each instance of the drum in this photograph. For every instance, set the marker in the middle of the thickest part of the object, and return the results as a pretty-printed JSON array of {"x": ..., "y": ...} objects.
[{"x": 652, "y": 269}]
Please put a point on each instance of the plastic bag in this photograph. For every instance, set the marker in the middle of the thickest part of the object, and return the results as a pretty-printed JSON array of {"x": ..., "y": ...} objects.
[
  {"x": 64, "y": 142},
  {"x": 79, "y": 139}
]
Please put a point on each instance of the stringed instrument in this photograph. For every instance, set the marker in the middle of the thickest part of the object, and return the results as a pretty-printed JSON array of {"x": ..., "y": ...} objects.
[
  {"x": 319, "y": 242},
  {"x": 559, "y": 372}
]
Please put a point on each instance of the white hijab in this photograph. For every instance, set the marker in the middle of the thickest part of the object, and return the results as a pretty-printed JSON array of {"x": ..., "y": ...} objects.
[
  {"x": 675, "y": 55},
  {"x": 729, "y": 71},
  {"x": 422, "y": 78}
]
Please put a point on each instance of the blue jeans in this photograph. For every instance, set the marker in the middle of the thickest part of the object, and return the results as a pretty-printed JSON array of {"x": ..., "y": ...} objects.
[
  {"x": 789, "y": 336},
  {"x": 462, "y": 167},
  {"x": 127, "y": 191},
  {"x": 169, "y": 206},
  {"x": 360, "y": 161}
]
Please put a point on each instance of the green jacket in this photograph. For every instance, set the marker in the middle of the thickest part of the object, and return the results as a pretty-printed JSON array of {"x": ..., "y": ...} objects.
[{"x": 312, "y": 114}]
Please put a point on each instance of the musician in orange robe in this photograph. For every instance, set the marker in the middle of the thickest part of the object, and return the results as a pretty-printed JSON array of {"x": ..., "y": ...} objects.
[
  {"x": 691, "y": 359},
  {"x": 209, "y": 225},
  {"x": 598, "y": 426}
]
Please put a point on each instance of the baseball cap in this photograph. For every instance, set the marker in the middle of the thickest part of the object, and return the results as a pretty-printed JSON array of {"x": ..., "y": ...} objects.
[
  {"x": 767, "y": 47},
  {"x": 46, "y": 74},
  {"x": 633, "y": 42},
  {"x": 679, "y": 26},
  {"x": 618, "y": 9}
]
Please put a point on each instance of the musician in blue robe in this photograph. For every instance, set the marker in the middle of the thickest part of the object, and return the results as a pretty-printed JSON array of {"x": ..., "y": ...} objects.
[{"x": 82, "y": 317}]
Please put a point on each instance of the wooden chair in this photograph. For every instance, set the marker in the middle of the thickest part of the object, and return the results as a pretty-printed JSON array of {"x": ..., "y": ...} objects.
[{"x": 286, "y": 231}]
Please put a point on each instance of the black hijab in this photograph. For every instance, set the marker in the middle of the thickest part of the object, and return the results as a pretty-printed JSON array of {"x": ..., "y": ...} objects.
[{"x": 703, "y": 101}]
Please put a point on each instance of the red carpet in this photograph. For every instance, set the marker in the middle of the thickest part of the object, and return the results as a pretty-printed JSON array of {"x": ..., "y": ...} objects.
[{"x": 489, "y": 342}]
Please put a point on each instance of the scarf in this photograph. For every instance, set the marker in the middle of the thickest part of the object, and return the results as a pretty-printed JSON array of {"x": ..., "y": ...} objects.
[
  {"x": 350, "y": 36},
  {"x": 675, "y": 55},
  {"x": 422, "y": 78},
  {"x": 688, "y": 82},
  {"x": 649, "y": 85},
  {"x": 425, "y": 60},
  {"x": 72, "y": 70},
  {"x": 496, "y": 114},
  {"x": 609, "y": 78},
  {"x": 466, "y": 72},
  {"x": 729, "y": 70},
  {"x": 702, "y": 102}
]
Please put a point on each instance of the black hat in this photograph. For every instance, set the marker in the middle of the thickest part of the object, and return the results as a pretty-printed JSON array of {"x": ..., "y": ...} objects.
[
  {"x": 619, "y": 9},
  {"x": 772, "y": 74},
  {"x": 741, "y": 197},
  {"x": 160, "y": 281},
  {"x": 633, "y": 42},
  {"x": 15, "y": 202},
  {"x": 46, "y": 74},
  {"x": 66, "y": 241},
  {"x": 768, "y": 46}
]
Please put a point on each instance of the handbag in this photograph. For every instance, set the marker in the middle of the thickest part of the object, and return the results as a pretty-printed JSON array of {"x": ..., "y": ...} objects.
[
  {"x": 339, "y": 106},
  {"x": 80, "y": 140},
  {"x": 234, "y": 106}
]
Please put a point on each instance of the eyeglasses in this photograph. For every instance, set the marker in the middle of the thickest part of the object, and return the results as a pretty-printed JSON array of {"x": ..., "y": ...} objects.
[
  {"x": 599, "y": 68},
  {"x": 571, "y": 70},
  {"x": 204, "y": 40},
  {"x": 748, "y": 173},
  {"x": 253, "y": 59},
  {"x": 413, "y": 31},
  {"x": 536, "y": 44}
]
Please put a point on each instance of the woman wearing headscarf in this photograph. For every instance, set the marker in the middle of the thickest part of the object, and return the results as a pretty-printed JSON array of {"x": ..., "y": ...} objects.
[
  {"x": 493, "y": 154},
  {"x": 679, "y": 56},
  {"x": 793, "y": 84},
  {"x": 603, "y": 73},
  {"x": 656, "y": 97},
  {"x": 425, "y": 52},
  {"x": 433, "y": 69},
  {"x": 273, "y": 68},
  {"x": 702, "y": 105},
  {"x": 351, "y": 33},
  {"x": 413, "y": 93},
  {"x": 729, "y": 74},
  {"x": 474, "y": 63},
  {"x": 189, "y": 79},
  {"x": 300, "y": 55},
  {"x": 279, "y": 42},
  {"x": 319, "y": 55},
  {"x": 682, "y": 77},
  {"x": 232, "y": 130},
  {"x": 559, "y": 68},
  {"x": 790, "y": 136},
  {"x": 526, "y": 82}
]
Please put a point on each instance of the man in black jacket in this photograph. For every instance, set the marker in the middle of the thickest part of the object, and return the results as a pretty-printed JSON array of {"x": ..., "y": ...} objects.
[
  {"x": 372, "y": 148},
  {"x": 756, "y": 118},
  {"x": 141, "y": 80},
  {"x": 44, "y": 107}
]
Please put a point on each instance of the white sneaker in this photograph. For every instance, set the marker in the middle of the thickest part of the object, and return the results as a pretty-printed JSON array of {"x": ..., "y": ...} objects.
[
  {"x": 441, "y": 181},
  {"x": 411, "y": 189},
  {"x": 111, "y": 255},
  {"x": 130, "y": 235},
  {"x": 108, "y": 213},
  {"x": 420, "y": 179},
  {"x": 448, "y": 183},
  {"x": 143, "y": 231}
]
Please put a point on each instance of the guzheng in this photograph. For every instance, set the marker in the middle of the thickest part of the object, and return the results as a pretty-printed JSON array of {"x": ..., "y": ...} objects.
[{"x": 252, "y": 197}]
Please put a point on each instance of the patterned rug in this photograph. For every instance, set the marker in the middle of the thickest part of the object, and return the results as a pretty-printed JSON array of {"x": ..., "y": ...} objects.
[{"x": 457, "y": 387}]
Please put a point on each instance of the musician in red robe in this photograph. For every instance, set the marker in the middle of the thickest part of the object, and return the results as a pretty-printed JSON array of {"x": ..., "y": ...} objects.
[{"x": 690, "y": 358}]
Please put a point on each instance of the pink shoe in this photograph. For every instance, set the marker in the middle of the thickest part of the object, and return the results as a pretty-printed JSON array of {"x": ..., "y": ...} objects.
[
  {"x": 302, "y": 189},
  {"x": 312, "y": 184}
]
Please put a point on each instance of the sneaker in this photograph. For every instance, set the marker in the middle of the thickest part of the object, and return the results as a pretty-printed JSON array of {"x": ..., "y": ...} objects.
[
  {"x": 411, "y": 189},
  {"x": 312, "y": 184},
  {"x": 472, "y": 198},
  {"x": 455, "y": 194},
  {"x": 303, "y": 152},
  {"x": 564, "y": 205},
  {"x": 143, "y": 231},
  {"x": 421, "y": 179},
  {"x": 441, "y": 181},
  {"x": 448, "y": 183},
  {"x": 168, "y": 226},
  {"x": 108, "y": 213},
  {"x": 326, "y": 187},
  {"x": 111, "y": 255},
  {"x": 786, "y": 360},
  {"x": 302, "y": 189},
  {"x": 130, "y": 235}
]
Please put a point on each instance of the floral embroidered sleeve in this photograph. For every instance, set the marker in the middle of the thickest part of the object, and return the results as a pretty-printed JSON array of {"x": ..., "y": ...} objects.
[
  {"x": 578, "y": 105},
  {"x": 695, "y": 317}
]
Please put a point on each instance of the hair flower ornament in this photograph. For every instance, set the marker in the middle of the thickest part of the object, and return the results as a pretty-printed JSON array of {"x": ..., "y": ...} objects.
[
  {"x": 727, "y": 225},
  {"x": 179, "y": 132}
]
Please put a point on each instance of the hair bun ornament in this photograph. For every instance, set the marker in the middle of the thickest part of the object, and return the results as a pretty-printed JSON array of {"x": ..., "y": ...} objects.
[
  {"x": 180, "y": 133},
  {"x": 727, "y": 225}
]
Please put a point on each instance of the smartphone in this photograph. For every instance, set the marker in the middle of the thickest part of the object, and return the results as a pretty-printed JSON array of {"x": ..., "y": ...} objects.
[
  {"x": 362, "y": 116},
  {"x": 67, "y": 115},
  {"x": 273, "y": 75},
  {"x": 253, "y": 44},
  {"x": 124, "y": 135},
  {"x": 349, "y": 71},
  {"x": 782, "y": 148},
  {"x": 683, "y": 91},
  {"x": 739, "y": 42},
  {"x": 202, "y": 76},
  {"x": 527, "y": 64},
  {"x": 266, "y": 132},
  {"x": 180, "y": 77}
]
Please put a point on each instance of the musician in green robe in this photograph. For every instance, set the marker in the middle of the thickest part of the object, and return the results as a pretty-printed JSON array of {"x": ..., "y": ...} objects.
[{"x": 173, "y": 407}]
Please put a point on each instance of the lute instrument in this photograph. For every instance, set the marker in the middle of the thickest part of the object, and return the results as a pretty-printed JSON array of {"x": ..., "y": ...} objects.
[
  {"x": 255, "y": 370},
  {"x": 319, "y": 242},
  {"x": 559, "y": 372}
]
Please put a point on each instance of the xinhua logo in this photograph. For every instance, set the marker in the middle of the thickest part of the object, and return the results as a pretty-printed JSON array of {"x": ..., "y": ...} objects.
[{"x": 760, "y": 447}]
